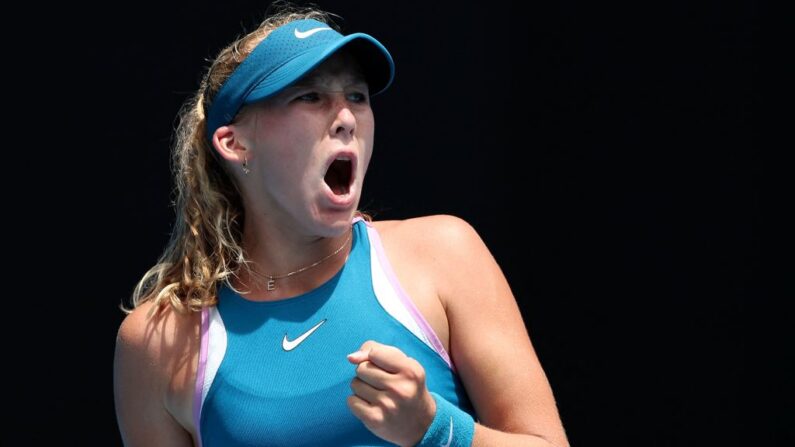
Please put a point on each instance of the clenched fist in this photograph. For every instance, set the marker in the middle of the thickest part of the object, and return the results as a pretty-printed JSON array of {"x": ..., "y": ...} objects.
[{"x": 389, "y": 394}]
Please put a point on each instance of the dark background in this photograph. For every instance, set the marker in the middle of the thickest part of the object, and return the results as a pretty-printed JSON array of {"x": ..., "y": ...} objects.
[{"x": 603, "y": 152}]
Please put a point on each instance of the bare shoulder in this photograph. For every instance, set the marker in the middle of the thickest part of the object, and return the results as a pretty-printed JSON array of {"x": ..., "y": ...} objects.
[
  {"x": 154, "y": 372},
  {"x": 153, "y": 333},
  {"x": 440, "y": 231},
  {"x": 444, "y": 245}
]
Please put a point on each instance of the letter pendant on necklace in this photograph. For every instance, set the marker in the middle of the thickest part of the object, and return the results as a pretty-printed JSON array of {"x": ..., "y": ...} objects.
[{"x": 271, "y": 284}]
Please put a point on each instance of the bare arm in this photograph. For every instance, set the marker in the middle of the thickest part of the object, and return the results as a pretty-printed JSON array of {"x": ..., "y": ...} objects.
[
  {"x": 490, "y": 344},
  {"x": 142, "y": 371}
]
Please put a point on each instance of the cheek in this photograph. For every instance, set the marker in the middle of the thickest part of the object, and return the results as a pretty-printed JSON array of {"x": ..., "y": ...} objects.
[
  {"x": 368, "y": 135},
  {"x": 291, "y": 140},
  {"x": 366, "y": 121},
  {"x": 365, "y": 161}
]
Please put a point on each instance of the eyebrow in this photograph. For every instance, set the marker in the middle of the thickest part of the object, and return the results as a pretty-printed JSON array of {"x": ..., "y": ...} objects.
[{"x": 313, "y": 80}]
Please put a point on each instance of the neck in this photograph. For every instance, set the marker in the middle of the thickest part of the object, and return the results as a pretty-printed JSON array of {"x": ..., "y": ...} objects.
[{"x": 298, "y": 260}]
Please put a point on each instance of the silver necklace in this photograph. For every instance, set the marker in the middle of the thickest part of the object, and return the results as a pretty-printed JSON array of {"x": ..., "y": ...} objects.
[{"x": 271, "y": 284}]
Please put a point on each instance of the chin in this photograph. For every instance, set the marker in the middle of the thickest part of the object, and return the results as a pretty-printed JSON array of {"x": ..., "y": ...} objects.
[{"x": 331, "y": 223}]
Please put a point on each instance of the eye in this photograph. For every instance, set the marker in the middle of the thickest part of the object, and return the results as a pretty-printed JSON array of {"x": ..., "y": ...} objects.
[
  {"x": 358, "y": 97},
  {"x": 308, "y": 97}
]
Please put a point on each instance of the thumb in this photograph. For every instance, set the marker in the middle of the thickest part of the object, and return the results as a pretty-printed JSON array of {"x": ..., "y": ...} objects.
[{"x": 358, "y": 356}]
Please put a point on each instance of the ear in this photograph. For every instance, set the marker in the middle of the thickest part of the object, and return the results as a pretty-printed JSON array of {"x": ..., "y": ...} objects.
[{"x": 228, "y": 141}]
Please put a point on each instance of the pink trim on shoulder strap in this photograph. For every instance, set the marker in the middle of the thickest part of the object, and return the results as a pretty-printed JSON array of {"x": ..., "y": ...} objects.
[
  {"x": 404, "y": 297},
  {"x": 200, "y": 369}
]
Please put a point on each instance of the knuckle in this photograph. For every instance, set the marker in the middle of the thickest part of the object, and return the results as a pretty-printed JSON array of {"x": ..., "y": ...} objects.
[
  {"x": 376, "y": 417},
  {"x": 389, "y": 405},
  {"x": 415, "y": 372},
  {"x": 405, "y": 390},
  {"x": 419, "y": 376}
]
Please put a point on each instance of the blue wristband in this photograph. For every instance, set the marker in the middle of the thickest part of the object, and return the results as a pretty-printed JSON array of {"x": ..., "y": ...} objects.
[{"x": 451, "y": 427}]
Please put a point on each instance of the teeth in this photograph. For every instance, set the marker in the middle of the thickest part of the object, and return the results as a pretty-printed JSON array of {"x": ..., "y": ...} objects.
[{"x": 343, "y": 158}]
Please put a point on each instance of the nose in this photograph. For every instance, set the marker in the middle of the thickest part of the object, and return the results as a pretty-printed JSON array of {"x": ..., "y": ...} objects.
[{"x": 344, "y": 123}]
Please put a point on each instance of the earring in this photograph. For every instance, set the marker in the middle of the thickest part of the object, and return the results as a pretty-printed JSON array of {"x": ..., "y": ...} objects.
[{"x": 246, "y": 170}]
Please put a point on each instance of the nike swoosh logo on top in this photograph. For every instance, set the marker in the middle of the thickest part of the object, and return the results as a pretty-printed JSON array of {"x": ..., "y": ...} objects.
[
  {"x": 288, "y": 345},
  {"x": 305, "y": 34},
  {"x": 450, "y": 438}
]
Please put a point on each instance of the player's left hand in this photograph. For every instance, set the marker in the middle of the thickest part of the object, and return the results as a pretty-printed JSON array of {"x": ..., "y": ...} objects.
[{"x": 390, "y": 396}]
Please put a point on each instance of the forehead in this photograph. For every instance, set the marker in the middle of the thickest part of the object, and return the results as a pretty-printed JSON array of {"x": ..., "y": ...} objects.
[{"x": 342, "y": 66}]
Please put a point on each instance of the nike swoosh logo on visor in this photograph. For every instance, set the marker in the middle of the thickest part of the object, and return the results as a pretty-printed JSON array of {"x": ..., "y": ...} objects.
[
  {"x": 305, "y": 34},
  {"x": 450, "y": 438},
  {"x": 288, "y": 345}
]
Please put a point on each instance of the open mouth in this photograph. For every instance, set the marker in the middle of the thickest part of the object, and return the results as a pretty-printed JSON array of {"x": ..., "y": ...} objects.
[{"x": 339, "y": 176}]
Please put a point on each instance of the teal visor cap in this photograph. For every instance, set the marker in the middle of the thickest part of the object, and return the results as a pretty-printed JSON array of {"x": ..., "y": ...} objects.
[{"x": 288, "y": 53}]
